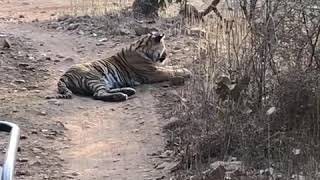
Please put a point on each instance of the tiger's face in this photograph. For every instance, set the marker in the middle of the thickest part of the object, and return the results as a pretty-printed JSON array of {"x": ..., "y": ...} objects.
[{"x": 152, "y": 46}]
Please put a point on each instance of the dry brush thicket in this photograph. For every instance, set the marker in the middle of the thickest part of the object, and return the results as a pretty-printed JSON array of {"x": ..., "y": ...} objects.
[
  {"x": 255, "y": 92},
  {"x": 98, "y": 7}
]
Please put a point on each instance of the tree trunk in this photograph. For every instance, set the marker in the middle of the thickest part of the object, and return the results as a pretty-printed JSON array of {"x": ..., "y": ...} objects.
[{"x": 146, "y": 8}]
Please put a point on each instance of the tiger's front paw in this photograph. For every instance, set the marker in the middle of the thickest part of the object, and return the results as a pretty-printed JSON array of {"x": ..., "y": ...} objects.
[{"x": 180, "y": 77}]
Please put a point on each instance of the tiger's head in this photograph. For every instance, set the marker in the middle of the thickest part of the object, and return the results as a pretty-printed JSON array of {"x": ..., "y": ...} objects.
[{"x": 152, "y": 47}]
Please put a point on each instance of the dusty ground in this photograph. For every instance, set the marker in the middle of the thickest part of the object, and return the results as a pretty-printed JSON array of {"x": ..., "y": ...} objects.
[
  {"x": 79, "y": 138},
  {"x": 12, "y": 10}
]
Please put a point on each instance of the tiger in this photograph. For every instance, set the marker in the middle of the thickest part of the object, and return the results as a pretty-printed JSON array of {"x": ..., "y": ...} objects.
[{"x": 114, "y": 79}]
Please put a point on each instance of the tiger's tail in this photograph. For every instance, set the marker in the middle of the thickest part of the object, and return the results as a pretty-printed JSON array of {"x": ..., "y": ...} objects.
[{"x": 63, "y": 91}]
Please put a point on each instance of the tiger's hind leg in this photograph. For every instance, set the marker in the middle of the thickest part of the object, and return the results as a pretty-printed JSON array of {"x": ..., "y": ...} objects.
[
  {"x": 127, "y": 90},
  {"x": 100, "y": 92},
  {"x": 110, "y": 97}
]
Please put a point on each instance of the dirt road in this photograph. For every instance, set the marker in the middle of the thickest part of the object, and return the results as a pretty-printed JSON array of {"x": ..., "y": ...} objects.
[{"x": 79, "y": 138}]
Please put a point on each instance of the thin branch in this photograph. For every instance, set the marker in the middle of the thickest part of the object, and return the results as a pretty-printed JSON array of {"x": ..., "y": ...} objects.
[
  {"x": 189, "y": 9},
  {"x": 212, "y": 7}
]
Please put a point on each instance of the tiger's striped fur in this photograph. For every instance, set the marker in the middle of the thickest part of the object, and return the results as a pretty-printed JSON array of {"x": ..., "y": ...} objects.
[{"x": 112, "y": 79}]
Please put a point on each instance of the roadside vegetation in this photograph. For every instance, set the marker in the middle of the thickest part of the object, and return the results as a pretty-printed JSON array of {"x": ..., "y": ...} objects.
[{"x": 254, "y": 97}]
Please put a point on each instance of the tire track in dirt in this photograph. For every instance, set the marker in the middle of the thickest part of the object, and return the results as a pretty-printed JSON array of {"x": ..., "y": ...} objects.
[{"x": 108, "y": 140}]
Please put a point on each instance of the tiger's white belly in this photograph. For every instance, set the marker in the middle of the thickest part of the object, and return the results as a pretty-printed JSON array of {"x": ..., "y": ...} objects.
[{"x": 114, "y": 81}]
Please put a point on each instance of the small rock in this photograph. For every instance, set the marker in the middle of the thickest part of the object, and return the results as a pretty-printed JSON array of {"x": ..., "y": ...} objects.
[
  {"x": 99, "y": 44},
  {"x": 23, "y": 64},
  {"x": 31, "y": 58},
  {"x": 21, "y": 16},
  {"x": 75, "y": 174},
  {"x": 59, "y": 56},
  {"x": 23, "y": 89},
  {"x": 55, "y": 102},
  {"x": 44, "y": 130},
  {"x": 43, "y": 113},
  {"x": 69, "y": 59},
  {"x": 23, "y": 160},
  {"x": 6, "y": 44},
  {"x": 94, "y": 35},
  {"x": 22, "y": 137},
  {"x": 103, "y": 40},
  {"x": 115, "y": 160},
  {"x": 72, "y": 27},
  {"x": 20, "y": 81},
  {"x": 80, "y": 32}
]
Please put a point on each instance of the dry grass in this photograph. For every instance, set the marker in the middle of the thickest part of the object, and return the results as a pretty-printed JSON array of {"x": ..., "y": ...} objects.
[
  {"x": 98, "y": 7},
  {"x": 270, "y": 61}
]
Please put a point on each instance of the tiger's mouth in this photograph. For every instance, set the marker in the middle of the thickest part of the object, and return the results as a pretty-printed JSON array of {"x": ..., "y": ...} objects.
[{"x": 163, "y": 57}]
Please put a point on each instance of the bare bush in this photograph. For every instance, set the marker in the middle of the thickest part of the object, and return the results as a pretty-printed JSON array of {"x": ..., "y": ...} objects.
[{"x": 255, "y": 94}]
